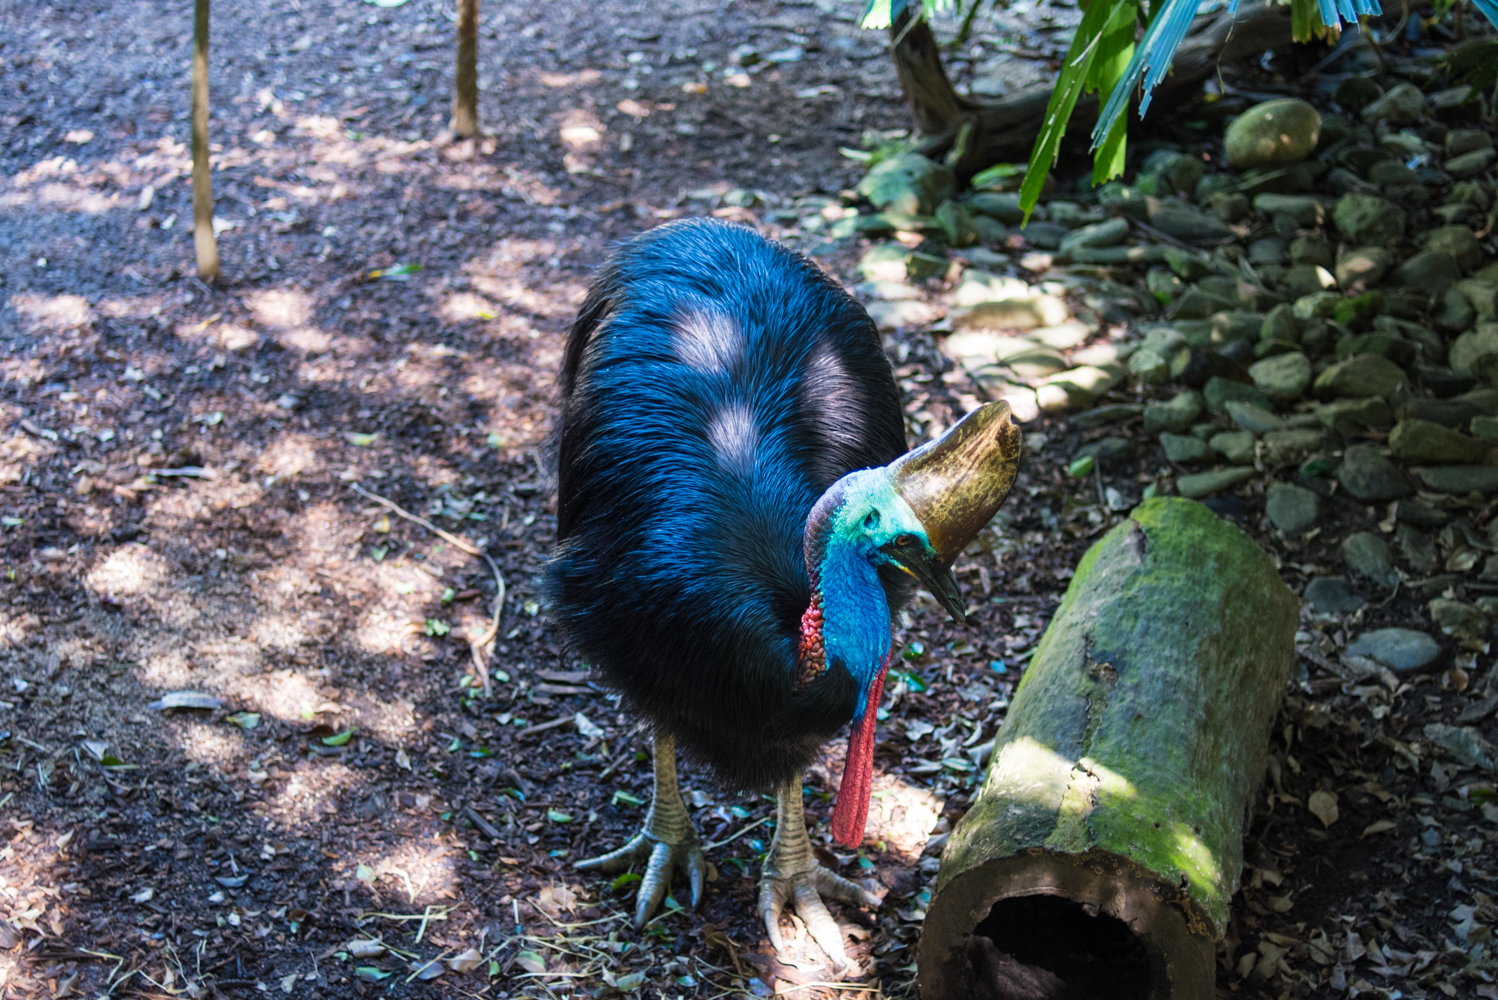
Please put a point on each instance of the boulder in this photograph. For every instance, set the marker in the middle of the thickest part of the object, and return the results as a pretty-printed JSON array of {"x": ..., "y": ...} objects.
[{"x": 1275, "y": 132}]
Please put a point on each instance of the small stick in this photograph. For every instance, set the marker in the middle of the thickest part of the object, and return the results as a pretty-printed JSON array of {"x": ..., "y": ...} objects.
[{"x": 475, "y": 646}]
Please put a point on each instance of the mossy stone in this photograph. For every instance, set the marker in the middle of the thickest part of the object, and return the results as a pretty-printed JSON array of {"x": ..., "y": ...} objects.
[{"x": 1272, "y": 133}]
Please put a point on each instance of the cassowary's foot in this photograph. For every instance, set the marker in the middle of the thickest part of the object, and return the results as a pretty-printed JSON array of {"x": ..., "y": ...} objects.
[
  {"x": 667, "y": 842},
  {"x": 792, "y": 874}
]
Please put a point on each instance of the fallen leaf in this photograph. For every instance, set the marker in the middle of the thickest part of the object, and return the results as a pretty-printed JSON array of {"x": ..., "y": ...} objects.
[
  {"x": 1323, "y": 805},
  {"x": 531, "y": 962},
  {"x": 365, "y": 948},
  {"x": 1377, "y": 826},
  {"x": 465, "y": 961}
]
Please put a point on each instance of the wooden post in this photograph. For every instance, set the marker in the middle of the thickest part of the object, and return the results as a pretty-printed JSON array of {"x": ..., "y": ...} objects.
[
  {"x": 202, "y": 177},
  {"x": 1100, "y": 854},
  {"x": 466, "y": 83}
]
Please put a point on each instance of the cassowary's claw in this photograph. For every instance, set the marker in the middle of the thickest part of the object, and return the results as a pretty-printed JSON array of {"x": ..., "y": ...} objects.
[
  {"x": 791, "y": 875},
  {"x": 668, "y": 841}
]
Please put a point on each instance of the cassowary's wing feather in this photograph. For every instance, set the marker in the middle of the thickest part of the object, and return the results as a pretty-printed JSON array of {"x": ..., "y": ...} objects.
[{"x": 714, "y": 386}]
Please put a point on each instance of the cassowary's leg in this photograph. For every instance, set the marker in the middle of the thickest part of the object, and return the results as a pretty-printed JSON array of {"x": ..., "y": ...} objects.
[
  {"x": 793, "y": 874},
  {"x": 668, "y": 840}
]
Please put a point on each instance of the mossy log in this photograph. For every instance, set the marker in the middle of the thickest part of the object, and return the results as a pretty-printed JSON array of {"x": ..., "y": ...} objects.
[
  {"x": 1100, "y": 855},
  {"x": 1006, "y": 129}
]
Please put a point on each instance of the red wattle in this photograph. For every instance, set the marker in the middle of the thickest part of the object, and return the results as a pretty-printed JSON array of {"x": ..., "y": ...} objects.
[{"x": 851, "y": 814}]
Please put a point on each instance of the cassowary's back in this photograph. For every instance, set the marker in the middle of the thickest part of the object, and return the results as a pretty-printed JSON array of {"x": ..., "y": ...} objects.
[{"x": 714, "y": 386}]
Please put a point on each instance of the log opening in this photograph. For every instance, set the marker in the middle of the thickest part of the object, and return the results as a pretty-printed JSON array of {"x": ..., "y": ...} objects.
[{"x": 1051, "y": 948}]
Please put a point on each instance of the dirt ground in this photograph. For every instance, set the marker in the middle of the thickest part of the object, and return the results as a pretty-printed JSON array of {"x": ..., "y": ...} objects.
[{"x": 185, "y": 499}]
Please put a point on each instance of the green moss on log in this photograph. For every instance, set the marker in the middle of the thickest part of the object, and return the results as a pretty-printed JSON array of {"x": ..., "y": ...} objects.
[{"x": 1139, "y": 732}]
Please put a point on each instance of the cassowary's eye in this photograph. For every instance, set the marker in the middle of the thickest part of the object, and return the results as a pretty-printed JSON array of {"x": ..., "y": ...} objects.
[{"x": 905, "y": 540}]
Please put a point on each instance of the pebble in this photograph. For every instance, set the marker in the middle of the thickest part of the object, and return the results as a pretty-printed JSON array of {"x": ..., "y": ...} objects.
[
  {"x": 1426, "y": 441},
  {"x": 1417, "y": 548},
  {"x": 1291, "y": 509},
  {"x": 1368, "y": 555},
  {"x": 1333, "y": 595},
  {"x": 1202, "y": 484},
  {"x": 1219, "y": 391},
  {"x": 1360, "y": 377},
  {"x": 1253, "y": 418},
  {"x": 1460, "y": 242},
  {"x": 1237, "y": 447},
  {"x": 1272, "y": 133},
  {"x": 1284, "y": 377},
  {"x": 1102, "y": 416},
  {"x": 1431, "y": 271},
  {"x": 1402, "y": 650},
  {"x": 1459, "y": 478},
  {"x": 1190, "y": 226},
  {"x": 1107, "y": 450},
  {"x": 1402, "y": 105},
  {"x": 1470, "y": 164},
  {"x": 1099, "y": 234},
  {"x": 1466, "y": 140},
  {"x": 908, "y": 183},
  {"x": 1363, "y": 267},
  {"x": 1184, "y": 449},
  {"x": 1368, "y": 219},
  {"x": 1370, "y": 477},
  {"x": 1174, "y": 415}
]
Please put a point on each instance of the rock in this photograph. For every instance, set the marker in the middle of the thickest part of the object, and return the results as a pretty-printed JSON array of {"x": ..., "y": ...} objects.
[
  {"x": 1271, "y": 133},
  {"x": 1183, "y": 449},
  {"x": 1102, "y": 416},
  {"x": 1357, "y": 92},
  {"x": 1019, "y": 313},
  {"x": 1100, "y": 234},
  {"x": 1422, "y": 515},
  {"x": 1107, "y": 451},
  {"x": 1469, "y": 350},
  {"x": 1418, "y": 548},
  {"x": 1446, "y": 412},
  {"x": 1203, "y": 484},
  {"x": 1456, "y": 314},
  {"x": 1459, "y": 620},
  {"x": 1003, "y": 207},
  {"x": 1459, "y": 478},
  {"x": 1149, "y": 366},
  {"x": 1200, "y": 304},
  {"x": 1293, "y": 444},
  {"x": 1174, "y": 415},
  {"x": 1392, "y": 176},
  {"x": 1464, "y": 743},
  {"x": 1219, "y": 391},
  {"x": 899, "y": 314},
  {"x": 1317, "y": 305},
  {"x": 1188, "y": 265},
  {"x": 1365, "y": 218},
  {"x": 1459, "y": 242},
  {"x": 1229, "y": 206},
  {"x": 1385, "y": 345},
  {"x": 1252, "y": 418},
  {"x": 1482, "y": 295},
  {"x": 1368, "y": 555},
  {"x": 908, "y": 183},
  {"x": 1402, "y": 105},
  {"x": 956, "y": 224},
  {"x": 1470, "y": 164},
  {"x": 1306, "y": 211},
  {"x": 1236, "y": 324},
  {"x": 1432, "y": 271},
  {"x": 1269, "y": 250},
  {"x": 1485, "y": 428},
  {"x": 1360, "y": 377},
  {"x": 1190, "y": 226},
  {"x": 1362, "y": 267},
  {"x": 1283, "y": 377},
  {"x": 1280, "y": 324},
  {"x": 1149, "y": 254},
  {"x": 1369, "y": 477},
  {"x": 1078, "y": 387},
  {"x": 1427, "y": 442},
  {"x": 1353, "y": 417},
  {"x": 1333, "y": 595},
  {"x": 1466, "y": 140},
  {"x": 1402, "y": 650},
  {"x": 1312, "y": 251},
  {"x": 1291, "y": 509},
  {"x": 1238, "y": 447},
  {"x": 1167, "y": 171}
]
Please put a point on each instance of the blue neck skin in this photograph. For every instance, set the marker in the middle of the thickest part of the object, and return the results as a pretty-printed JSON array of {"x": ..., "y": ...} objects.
[{"x": 855, "y": 623}]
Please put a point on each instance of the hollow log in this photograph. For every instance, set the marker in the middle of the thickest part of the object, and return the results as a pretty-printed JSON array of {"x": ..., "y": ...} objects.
[
  {"x": 1005, "y": 131},
  {"x": 1101, "y": 852}
]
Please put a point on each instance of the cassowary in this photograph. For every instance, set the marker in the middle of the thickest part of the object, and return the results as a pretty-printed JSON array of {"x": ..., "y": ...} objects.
[{"x": 736, "y": 520}]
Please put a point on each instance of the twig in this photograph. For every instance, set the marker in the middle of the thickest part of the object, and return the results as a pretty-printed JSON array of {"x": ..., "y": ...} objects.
[
  {"x": 725, "y": 840},
  {"x": 541, "y": 727},
  {"x": 475, "y": 646},
  {"x": 487, "y": 828}
]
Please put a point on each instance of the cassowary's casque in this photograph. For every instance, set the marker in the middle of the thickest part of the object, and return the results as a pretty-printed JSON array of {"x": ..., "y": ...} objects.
[{"x": 735, "y": 523}]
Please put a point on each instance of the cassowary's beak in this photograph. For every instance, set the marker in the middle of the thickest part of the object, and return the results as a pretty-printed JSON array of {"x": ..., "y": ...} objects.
[
  {"x": 926, "y": 566},
  {"x": 955, "y": 484}
]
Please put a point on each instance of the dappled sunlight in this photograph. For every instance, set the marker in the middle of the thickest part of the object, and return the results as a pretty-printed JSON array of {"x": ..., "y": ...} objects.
[
  {"x": 461, "y": 306},
  {"x": 417, "y": 872},
  {"x": 902, "y": 815},
  {"x": 128, "y": 571},
  {"x": 281, "y": 308},
  {"x": 20, "y": 451},
  {"x": 219, "y": 745},
  {"x": 289, "y": 455},
  {"x": 53, "y": 312},
  {"x": 307, "y": 796}
]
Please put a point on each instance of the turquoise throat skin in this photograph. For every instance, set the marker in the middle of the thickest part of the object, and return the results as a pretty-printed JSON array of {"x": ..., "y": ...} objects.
[{"x": 855, "y": 609}]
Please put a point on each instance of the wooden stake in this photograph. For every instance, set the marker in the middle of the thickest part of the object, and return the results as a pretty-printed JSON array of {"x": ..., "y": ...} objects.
[
  {"x": 466, "y": 83},
  {"x": 202, "y": 178}
]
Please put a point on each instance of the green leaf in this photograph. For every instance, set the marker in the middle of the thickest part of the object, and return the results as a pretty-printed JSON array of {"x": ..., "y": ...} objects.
[
  {"x": 437, "y": 627},
  {"x": 378, "y": 554},
  {"x": 624, "y": 880},
  {"x": 455, "y": 745},
  {"x": 1115, "y": 51},
  {"x": 997, "y": 172},
  {"x": 341, "y": 739},
  {"x": 1098, "y": 26},
  {"x": 557, "y": 816},
  {"x": 625, "y": 797},
  {"x": 448, "y": 594},
  {"x": 370, "y": 974},
  {"x": 244, "y": 720},
  {"x": 1081, "y": 467},
  {"x": 361, "y": 440}
]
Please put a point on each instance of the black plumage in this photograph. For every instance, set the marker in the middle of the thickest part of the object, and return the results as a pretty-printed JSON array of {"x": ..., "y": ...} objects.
[{"x": 714, "y": 386}]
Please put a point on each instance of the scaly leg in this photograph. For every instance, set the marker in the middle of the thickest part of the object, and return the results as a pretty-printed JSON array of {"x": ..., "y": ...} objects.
[
  {"x": 668, "y": 840},
  {"x": 792, "y": 874}
]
